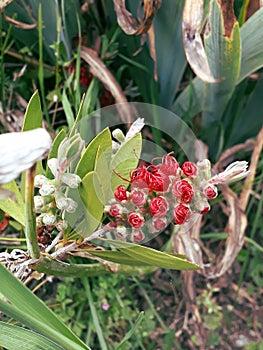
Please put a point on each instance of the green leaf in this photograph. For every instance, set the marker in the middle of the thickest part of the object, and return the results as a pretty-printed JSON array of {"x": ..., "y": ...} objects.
[
  {"x": 88, "y": 159},
  {"x": 125, "y": 160},
  {"x": 117, "y": 256},
  {"x": 153, "y": 257},
  {"x": 13, "y": 206},
  {"x": 91, "y": 98},
  {"x": 169, "y": 46},
  {"x": 67, "y": 109},
  {"x": 104, "y": 175},
  {"x": 54, "y": 150},
  {"x": 120, "y": 257},
  {"x": 91, "y": 194},
  {"x": 14, "y": 337},
  {"x": 223, "y": 52},
  {"x": 252, "y": 45},
  {"x": 59, "y": 268},
  {"x": 190, "y": 102},
  {"x": 29, "y": 310},
  {"x": 129, "y": 334},
  {"x": 33, "y": 115},
  {"x": 32, "y": 120}
]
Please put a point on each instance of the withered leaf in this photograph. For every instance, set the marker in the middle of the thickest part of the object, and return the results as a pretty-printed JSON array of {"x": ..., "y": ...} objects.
[
  {"x": 4, "y": 3},
  {"x": 129, "y": 24},
  {"x": 194, "y": 48}
]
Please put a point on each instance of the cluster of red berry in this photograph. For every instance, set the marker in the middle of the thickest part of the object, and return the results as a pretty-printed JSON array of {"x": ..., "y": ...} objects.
[{"x": 158, "y": 194}]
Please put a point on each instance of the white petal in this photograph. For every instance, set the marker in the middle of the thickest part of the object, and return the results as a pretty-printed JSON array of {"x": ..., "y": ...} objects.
[
  {"x": 20, "y": 150},
  {"x": 135, "y": 128}
]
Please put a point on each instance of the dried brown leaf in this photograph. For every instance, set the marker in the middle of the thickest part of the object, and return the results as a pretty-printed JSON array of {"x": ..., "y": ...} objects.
[
  {"x": 129, "y": 24},
  {"x": 244, "y": 196},
  {"x": 236, "y": 225},
  {"x": 194, "y": 48},
  {"x": 4, "y": 3},
  {"x": 100, "y": 71},
  {"x": 151, "y": 37},
  {"x": 229, "y": 18}
]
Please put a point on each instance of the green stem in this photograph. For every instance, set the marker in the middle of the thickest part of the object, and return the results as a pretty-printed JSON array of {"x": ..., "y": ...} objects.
[{"x": 30, "y": 220}]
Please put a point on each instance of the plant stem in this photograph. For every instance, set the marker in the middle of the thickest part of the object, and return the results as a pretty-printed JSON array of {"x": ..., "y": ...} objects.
[{"x": 30, "y": 220}]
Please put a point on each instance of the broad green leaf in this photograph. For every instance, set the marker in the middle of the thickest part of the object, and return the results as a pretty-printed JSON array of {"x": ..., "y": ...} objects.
[
  {"x": 90, "y": 191},
  {"x": 13, "y": 206},
  {"x": 54, "y": 150},
  {"x": 120, "y": 257},
  {"x": 169, "y": 47},
  {"x": 59, "y": 268},
  {"x": 14, "y": 337},
  {"x": 117, "y": 256},
  {"x": 252, "y": 45},
  {"x": 87, "y": 161},
  {"x": 223, "y": 51},
  {"x": 28, "y": 309},
  {"x": 41, "y": 327},
  {"x": 33, "y": 115},
  {"x": 125, "y": 160},
  {"x": 32, "y": 120},
  {"x": 104, "y": 176},
  {"x": 153, "y": 257}
]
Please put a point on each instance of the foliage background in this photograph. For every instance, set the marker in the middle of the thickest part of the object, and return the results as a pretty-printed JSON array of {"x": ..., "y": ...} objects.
[{"x": 52, "y": 57}]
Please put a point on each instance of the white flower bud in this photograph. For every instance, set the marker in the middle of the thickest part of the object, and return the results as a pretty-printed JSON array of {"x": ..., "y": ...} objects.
[
  {"x": 72, "y": 180},
  {"x": 61, "y": 201},
  {"x": 20, "y": 151},
  {"x": 39, "y": 202},
  {"x": 39, "y": 180},
  {"x": 118, "y": 135},
  {"x": 115, "y": 147},
  {"x": 121, "y": 232},
  {"x": 39, "y": 221},
  {"x": 135, "y": 128},
  {"x": 204, "y": 167},
  {"x": 49, "y": 219},
  {"x": 70, "y": 148},
  {"x": 61, "y": 225},
  {"x": 47, "y": 189},
  {"x": 234, "y": 172},
  {"x": 53, "y": 166}
]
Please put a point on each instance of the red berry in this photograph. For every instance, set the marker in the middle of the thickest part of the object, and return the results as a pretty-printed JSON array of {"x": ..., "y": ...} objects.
[
  {"x": 137, "y": 236},
  {"x": 138, "y": 197},
  {"x": 115, "y": 210},
  {"x": 181, "y": 214},
  {"x": 189, "y": 169},
  {"x": 120, "y": 193},
  {"x": 136, "y": 220},
  {"x": 210, "y": 192},
  {"x": 183, "y": 190},
  {"x": 205, "y": 210},
  {"x": 159, "y": 223},
  {"x": 158, "y": 206}
]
